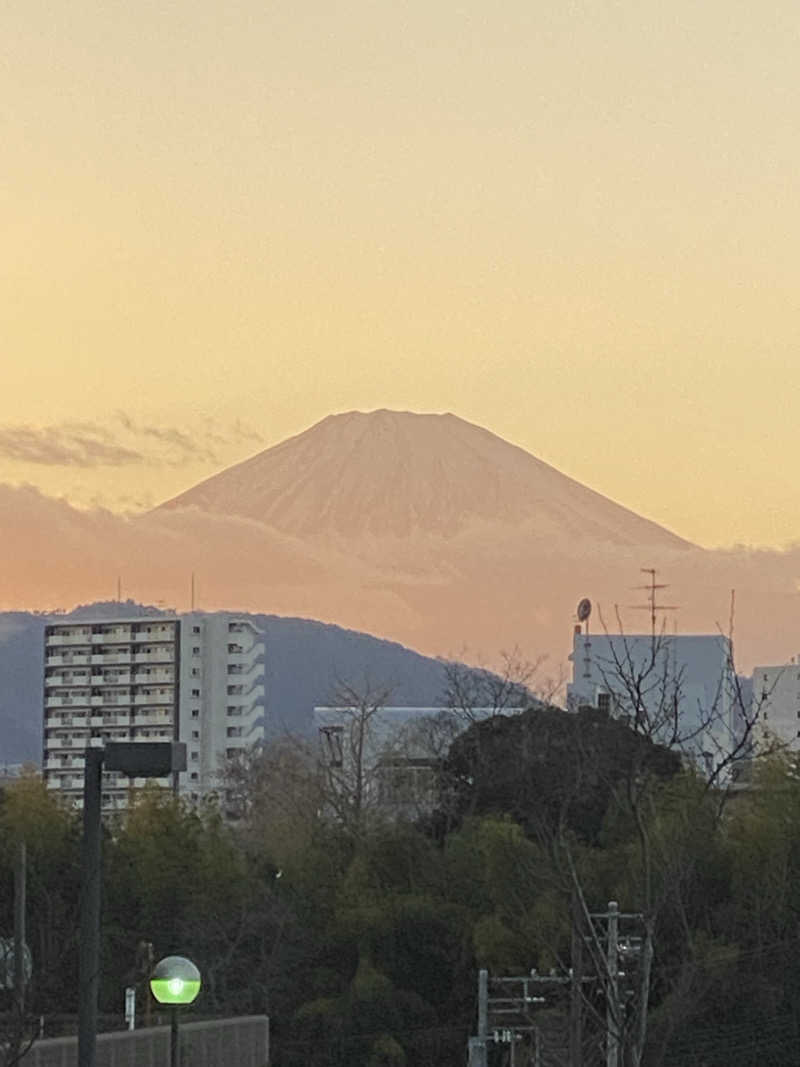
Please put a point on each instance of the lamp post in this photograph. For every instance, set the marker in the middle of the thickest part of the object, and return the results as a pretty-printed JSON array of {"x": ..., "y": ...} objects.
[
  {"x": 175, "y": 981},
  {"x": 137, "y": 759}
]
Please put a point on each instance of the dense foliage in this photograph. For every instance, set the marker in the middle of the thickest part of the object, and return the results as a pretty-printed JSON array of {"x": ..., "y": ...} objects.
[{"x": 363, "y": 944}]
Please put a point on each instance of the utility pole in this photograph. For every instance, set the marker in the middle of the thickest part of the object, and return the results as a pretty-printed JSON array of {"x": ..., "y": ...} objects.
[
  {"x": 89, "y": 958},
  {"x": 483, "y": 1016},
  {"x": 576, "y": 990},
  {"x": 612, "y": 997},
  {"x": 19, "y": 930}
]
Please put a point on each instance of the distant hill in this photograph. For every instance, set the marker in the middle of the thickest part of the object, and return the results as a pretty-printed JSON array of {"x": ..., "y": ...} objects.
[{"x": 305, "y": 660}]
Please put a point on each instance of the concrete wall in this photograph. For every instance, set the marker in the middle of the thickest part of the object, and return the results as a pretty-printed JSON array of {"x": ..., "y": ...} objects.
[{"x": 241, "y": 1041}]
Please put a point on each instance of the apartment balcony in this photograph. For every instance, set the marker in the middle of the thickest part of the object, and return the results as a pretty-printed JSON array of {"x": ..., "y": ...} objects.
[
  {"x": 110, "y": 700},
  {"x": 110, "y": 637},
  {"x": 120, "y": 679},
  {"x": 58, "y": 679},
  {"x": 165, "y": 655},
  {"x": 152, "y": 718},
  {"x": 156, "y": 637},
  {"x": 65, "y": 747},
  {"x": 111, "y": 720},
  {"x": 66, "y": 782},
  {"x": 68, "y": 659},
  {"x": 108, "y": 658},
  {"x": 58, "y": 722},
  {"x": 61, "y": 700},
  {"x": 56, "y": 763},
  {"x": 60, "y": 640},
  {"x": 164, "y": 699},
  {"x": 155, "y": 676}
]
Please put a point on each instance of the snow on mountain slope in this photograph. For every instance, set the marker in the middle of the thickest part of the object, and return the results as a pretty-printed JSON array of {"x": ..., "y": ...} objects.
[{"x": 393, "y": 475}]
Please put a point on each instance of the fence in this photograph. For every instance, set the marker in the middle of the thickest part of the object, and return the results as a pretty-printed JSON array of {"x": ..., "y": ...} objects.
[{"x": 243, "y": 1041}]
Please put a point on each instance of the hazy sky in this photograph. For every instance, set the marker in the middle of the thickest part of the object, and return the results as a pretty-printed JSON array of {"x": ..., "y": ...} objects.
[{"x": 576, "y": 224}]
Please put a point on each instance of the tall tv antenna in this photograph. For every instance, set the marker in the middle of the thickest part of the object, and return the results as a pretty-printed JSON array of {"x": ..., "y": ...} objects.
[
  {"x": 583, "y": 612},
  {"x": 651, "y": 604}
]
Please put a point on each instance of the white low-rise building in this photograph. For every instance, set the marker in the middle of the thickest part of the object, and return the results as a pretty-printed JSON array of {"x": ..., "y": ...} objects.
[
  {"x": 197, "y": 678},
  {"x": 385, "y": 759},
  {"x": 683, "y": 686},
  {"x": 776, "y": 705}
]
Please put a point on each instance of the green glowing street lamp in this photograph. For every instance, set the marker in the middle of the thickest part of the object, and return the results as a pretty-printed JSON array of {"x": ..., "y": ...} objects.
[{"x": 175, "y": 981}]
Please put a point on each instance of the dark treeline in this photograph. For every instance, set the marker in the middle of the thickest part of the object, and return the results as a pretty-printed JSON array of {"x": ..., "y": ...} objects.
[{"x": 362, "y": 939}]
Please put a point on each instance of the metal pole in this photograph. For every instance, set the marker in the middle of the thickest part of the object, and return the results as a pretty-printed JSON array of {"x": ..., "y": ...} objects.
[
  {"x": 483, "y": 1016},
  {"x": 89, "y": 950},
  {"x": 174, "y": 1040},
  {"x": 19, "y": 930},
  {"x": 576, "y": 989},
  {"x": 612, "y": 999}
]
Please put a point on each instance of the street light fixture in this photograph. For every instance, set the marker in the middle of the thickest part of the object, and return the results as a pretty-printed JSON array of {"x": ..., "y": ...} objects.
[
  {"x": 175, "y": 981},
  {"x": 137, "y": 759}
]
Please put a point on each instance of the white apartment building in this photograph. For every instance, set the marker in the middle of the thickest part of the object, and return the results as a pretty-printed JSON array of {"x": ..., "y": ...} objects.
[
  {"x": 195, "y": 678},
  {"x": 776, "y": 703},
  {"x": 691, "y": 674}
]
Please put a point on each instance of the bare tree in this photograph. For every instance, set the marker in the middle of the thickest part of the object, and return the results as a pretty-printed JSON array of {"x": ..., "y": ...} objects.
[
  {"x": 476, "y": 693},
  {"x": 351, "y": 746},
  {"x": 646, "y": 687}
]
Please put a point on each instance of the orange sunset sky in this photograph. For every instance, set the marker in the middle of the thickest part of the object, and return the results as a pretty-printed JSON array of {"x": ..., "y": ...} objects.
[{"x": 576, "y": 224}]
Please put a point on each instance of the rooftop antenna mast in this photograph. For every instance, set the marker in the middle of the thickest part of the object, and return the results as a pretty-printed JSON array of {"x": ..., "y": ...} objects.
[
  {"x": 583, "y": 613},
  {"x": 651, "y": 604}
]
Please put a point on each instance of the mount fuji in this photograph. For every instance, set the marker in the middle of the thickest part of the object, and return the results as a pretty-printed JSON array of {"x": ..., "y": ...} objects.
[{"x": 390, "y": 475}]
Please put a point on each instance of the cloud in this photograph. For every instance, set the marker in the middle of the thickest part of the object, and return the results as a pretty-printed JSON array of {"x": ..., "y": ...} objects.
[
  {"x": 123, "y": 442},
  {"x": 67, "y": 445},
  {"x": 182, "y": 447}
]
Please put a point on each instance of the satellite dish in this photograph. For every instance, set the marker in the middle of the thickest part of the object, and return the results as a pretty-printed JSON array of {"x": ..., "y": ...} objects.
[{"x": 584, "y": 609}]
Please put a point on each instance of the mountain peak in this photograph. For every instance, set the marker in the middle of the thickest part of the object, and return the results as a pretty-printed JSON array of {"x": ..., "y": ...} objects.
[{"x": 393, "y": 474}]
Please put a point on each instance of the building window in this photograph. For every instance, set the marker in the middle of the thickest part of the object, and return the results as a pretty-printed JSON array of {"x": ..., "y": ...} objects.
[
  {"x": 195, "y": 672},
  {"x": 604, "y": 702},
  {"x": 195, "y": 713},
  {"x": 195, "y": 735},
  {"x": 196, "y": 650},
  {"x": 331, "y": 737},
  {"x": 195, "y": 756},
  {"x": 195, "y": 629},
  {"x": 193, "y": 776},
  {"x": 195, "y": 692}
]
